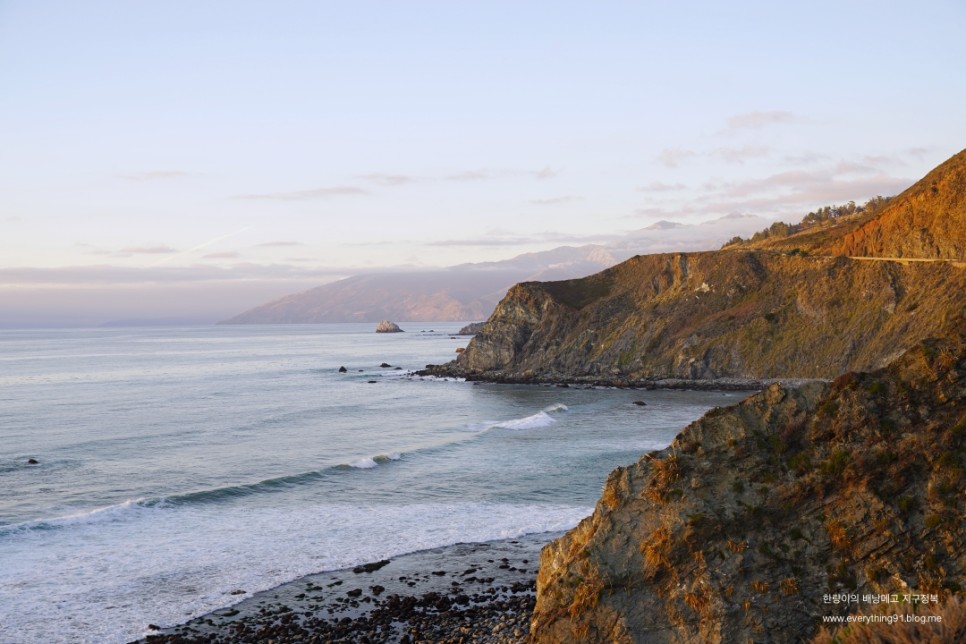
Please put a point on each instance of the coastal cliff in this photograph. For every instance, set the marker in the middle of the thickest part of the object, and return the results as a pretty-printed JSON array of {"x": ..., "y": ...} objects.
[
  {"x": 755, "y": 514},
  {"x": 847, "y": 293},
  {"x": 705, "y": 316}
]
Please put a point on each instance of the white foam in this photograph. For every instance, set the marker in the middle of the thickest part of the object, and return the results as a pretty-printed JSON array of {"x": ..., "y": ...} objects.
[
  {"x": 556, "y": 407},
  {"x": 106, "y": 582},
  {"x": 110, "y": 513},
  {"x": 364, "y": 464},
  {"x": 539, "y": 419}
]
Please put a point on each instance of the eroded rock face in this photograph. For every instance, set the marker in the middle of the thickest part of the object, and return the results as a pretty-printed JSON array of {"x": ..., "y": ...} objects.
[
  {"x": 726, "y": 314},
  {"x": 736, "y": 531}
]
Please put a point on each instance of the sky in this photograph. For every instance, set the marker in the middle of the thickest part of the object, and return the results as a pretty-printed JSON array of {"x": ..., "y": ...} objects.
[{"x": 194, "y": 159}]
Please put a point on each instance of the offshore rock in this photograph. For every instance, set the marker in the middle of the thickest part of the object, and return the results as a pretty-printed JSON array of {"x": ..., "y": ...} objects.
[
  {"x": 388, "y": 327},
  {"x": 471, "y": 329},
  {"x": 755, "y": 514}
]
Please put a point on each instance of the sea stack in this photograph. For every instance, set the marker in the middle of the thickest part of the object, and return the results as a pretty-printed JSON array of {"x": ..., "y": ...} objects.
[{"x": 388, "y": 327}]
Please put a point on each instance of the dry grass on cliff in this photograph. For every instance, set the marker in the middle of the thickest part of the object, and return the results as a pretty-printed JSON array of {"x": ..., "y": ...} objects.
[{"x": 951, "y": 628}]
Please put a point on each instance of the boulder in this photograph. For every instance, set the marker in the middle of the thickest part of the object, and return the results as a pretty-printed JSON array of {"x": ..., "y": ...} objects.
[{"x": 388, "y": 327}]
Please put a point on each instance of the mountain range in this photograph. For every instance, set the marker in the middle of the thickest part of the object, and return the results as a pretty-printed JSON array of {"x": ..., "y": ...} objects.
[{"x": 471, "y": 291}]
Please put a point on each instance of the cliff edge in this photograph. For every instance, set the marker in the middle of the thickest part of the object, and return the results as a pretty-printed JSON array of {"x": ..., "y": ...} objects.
[{"x": 746, "y": 525}]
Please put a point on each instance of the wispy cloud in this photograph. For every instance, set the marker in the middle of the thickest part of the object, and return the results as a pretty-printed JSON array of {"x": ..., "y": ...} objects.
[
  {"x": 107, "y": 274},
  {"x": 805, "y": 158},
  {"x": 673, "y": 157},
  {"x": 228, "y": 254},
  {"x": 472, "y": 175},
  {"x": 756, "y": 120},
  {"x": 156, "y": 175},
  {"x": 307, "y": 195},
  {"x": 502, "y": 240},
  {"x": 556, "y": 201},
  {"x": 388, "y": 180},
  {"x": 546, "y": 173},
  {"x": 660, "y": 186},
  {"x": 485, "y": 174},
  {"x": 274, "y": 244},
  {"x": 742, "y": 154},
  {"x": 147, "y": 250}
]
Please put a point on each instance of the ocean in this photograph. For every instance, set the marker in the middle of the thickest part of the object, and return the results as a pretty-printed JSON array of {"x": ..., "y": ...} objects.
[{"x": 178, "y": 466}]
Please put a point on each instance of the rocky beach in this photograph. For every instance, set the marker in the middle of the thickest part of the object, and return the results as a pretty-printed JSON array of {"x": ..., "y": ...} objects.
[{"x": 472, "y": 592}]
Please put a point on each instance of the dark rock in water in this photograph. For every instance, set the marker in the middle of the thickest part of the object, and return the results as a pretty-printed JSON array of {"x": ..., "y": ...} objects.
[
  {"x": 640, "y": 403},
  {"x": 385, "y": 365},
  {"x": 398, "y": 369},
  {"x": 237, "y": 592},
  {"x": 372, "y": 382},
  {"x": 471, "y": 329},
  {"x": 32, "y": 461},
  {"x": 154, "y": 627},
  {"x": 370, "y": 567},
  {"x": 342, "y": 370},
  {"x": 388, "y": 327}
]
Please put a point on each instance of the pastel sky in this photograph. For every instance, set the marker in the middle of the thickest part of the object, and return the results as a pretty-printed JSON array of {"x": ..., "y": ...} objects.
[{"x": 208, "y": 156}]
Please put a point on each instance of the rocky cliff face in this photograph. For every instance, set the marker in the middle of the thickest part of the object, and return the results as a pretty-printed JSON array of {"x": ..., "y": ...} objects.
[
  {"x": 737, "y": 530},
  {"x": 725, "y": 314},
  {"x": 926, "y": 221}
]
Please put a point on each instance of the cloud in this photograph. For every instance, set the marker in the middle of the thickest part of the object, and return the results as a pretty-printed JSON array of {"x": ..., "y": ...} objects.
[
  {"x": 502, "y": 240},
  {"x": 227, "y": 254},
  {"x": 805, "y": 158},
  {"x": 107, "y": 275},
  {"x": 156, "y": 175},
  {"x": 147, "y": 250},
  {"x": 545, "y": 173},
  {"x": 795, "y": 193},
  {"x": 740, "y": 155},
  {"x": 484, "y": 174},
  {"x": 306, "y": 195},
  {"x": 756, "y": 120},
  {"x": 274, "y": 244},
  {"x": 660, "y": 186},
  {"x": 672, "y": 157},
  {"x": 789, "y": 194},
  {"x": 556, "y": 201},
  {"x": 471, "y": 175},
  {"x": 382, "y": 179}
]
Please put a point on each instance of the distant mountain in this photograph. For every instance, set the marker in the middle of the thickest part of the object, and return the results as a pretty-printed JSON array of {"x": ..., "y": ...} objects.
[{"x": 471, "y": 291}]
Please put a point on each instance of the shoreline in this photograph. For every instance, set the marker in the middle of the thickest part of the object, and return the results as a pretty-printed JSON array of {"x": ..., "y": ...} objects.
[
  {"x": 467, "y": 592},
  {"x": 647, "y": 384}
]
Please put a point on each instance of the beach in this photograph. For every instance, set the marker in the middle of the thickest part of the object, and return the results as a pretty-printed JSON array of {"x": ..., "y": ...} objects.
[{"x": 469, "y": 592}]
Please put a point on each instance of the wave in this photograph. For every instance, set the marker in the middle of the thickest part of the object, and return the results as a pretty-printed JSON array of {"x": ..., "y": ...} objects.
[
  {"x": 540, "y": 419},
  {"x": 130, "y": 508}
]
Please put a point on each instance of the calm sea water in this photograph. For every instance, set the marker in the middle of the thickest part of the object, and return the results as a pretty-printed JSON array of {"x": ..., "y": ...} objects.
[{"x": 179, "y": 465}]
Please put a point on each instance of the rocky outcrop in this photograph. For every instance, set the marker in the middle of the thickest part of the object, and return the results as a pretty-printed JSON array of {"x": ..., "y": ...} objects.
[
  {"x": 388, "y": 327},
  {"x": 742, "y": 527},
  {"x": 471, "y": 329},
  {"x": 704, "y": 316}
]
